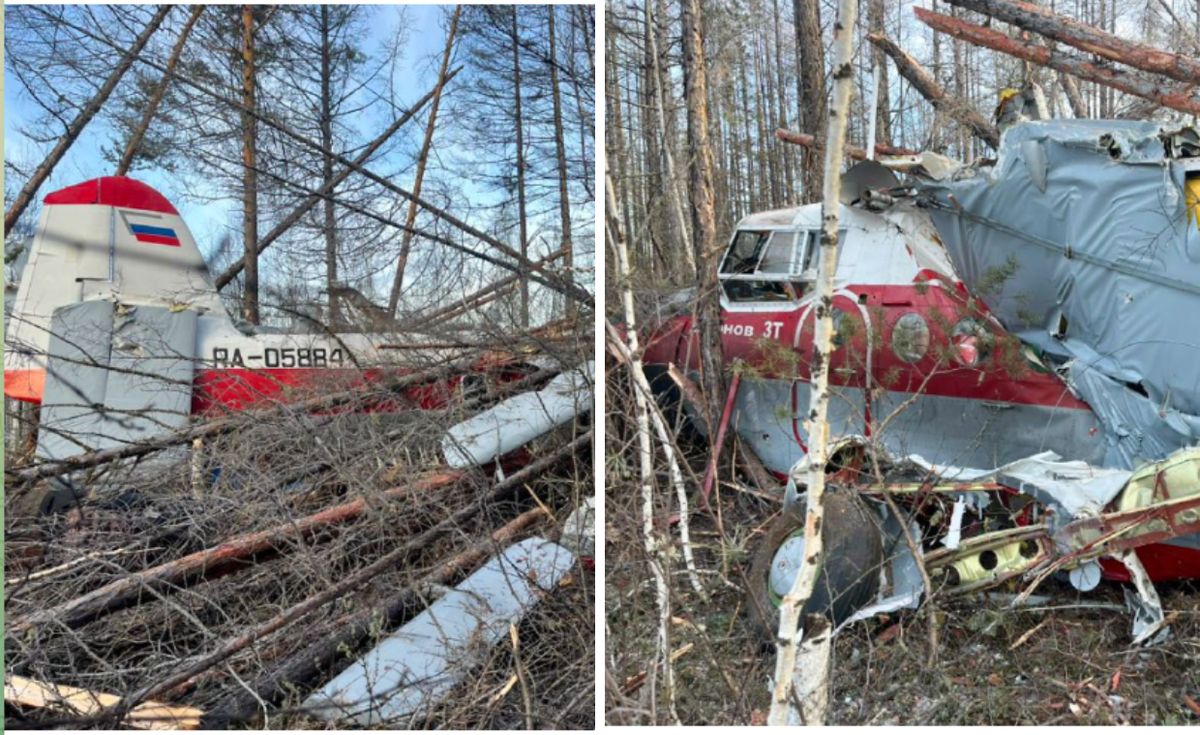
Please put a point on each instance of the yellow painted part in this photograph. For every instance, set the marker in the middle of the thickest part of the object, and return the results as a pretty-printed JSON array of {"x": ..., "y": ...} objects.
[
  {"x": 1181, "y": 475},
  {"x": 1008, "y": 559},
  {"x": 1192, "y": 187}
]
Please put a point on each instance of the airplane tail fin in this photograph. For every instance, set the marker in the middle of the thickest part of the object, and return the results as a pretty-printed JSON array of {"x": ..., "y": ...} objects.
[{"x": 112, "y": 239}]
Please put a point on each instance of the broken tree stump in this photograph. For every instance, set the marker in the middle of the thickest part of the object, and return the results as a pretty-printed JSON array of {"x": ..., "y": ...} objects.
[{"x": 24, "y": 692}]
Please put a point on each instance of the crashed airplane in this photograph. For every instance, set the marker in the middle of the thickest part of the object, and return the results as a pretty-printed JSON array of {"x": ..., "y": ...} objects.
[
  {"x": 1014, "y": 364},
  {"x": 119, "y": 334}
]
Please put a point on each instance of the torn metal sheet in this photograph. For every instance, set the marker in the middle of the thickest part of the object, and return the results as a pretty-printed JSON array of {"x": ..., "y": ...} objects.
[
  {"x": 514, "y": 422},
  {"x": 116, "y": 374},
  {"x": 422, "y": 662},
  {"x": 1088, "y": 222}
]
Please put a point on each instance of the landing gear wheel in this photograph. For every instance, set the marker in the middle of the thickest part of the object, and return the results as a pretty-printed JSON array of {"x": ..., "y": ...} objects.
[{"x": 849, "y": 578}]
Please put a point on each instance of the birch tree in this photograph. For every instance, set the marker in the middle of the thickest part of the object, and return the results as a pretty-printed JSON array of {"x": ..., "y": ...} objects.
[{"x": 808, "y": 706}]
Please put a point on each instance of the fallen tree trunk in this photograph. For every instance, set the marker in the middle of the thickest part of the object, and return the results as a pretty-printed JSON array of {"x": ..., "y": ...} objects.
[
  {"x": 1087, "y": 38},
  {"x": 924, "y": 83},
  {"x": 1140, "y": 85},
  {"x": 359, "y": 578},
  {"x": 858, "y": 154},
  {"x": 129, "y": 590},
  {"x": 323, "y": 656}
]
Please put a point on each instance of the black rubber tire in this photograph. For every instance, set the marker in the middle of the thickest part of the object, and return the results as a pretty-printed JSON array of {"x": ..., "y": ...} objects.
[{"x": 849, "y": 578}]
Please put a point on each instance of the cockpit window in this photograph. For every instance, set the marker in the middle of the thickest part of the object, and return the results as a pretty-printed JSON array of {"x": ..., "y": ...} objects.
[
  {"x": 745, "y": 252},
  {"x": 767, "y": 266}
]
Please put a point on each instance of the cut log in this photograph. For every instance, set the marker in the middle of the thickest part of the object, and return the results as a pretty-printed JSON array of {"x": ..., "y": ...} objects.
[
  {"x": 1156, "y": 90},
  {"x": 24, "y": 692},
  {"x": 129, "y": 590},
  {"x": 924, "y": 83},
  {"x": 1086, "y": 38},
  {"x": 858, "y": 154}
]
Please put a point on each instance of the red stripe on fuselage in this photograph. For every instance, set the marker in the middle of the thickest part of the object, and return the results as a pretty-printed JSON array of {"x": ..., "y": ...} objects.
[
  {"x": 240, "y": 388},
  {"x": 1005, "y": 377}
]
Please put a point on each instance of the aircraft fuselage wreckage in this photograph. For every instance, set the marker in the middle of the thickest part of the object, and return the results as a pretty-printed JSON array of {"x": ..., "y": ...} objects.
[
  {"x": 1015, "y": 358},
  {"x": 118, "y": 332}
]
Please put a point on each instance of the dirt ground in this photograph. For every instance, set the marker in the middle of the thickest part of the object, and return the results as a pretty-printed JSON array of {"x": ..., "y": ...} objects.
[{"x": 1065, "y": 662}]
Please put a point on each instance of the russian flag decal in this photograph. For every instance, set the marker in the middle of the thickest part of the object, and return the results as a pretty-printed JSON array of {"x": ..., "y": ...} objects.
[{"x": 155, "y": 235}]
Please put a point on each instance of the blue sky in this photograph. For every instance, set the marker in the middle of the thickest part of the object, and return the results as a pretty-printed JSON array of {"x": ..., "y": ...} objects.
[{"x": 425, "y": 38}]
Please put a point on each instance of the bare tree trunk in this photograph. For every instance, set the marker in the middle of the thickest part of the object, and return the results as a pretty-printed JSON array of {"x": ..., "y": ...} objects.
[
  {"x": 812, "y": 702},
  {"x": 673, "y": 193},
  {"x": 1140, "y": 85},
  {"x": 812, "y": 89},
  {"x": 330, "y": 224},
  {"x": 524, "y": 249},
  {"x": 249, "y": 170},
  {"x": 560, "y": 151},
  {"x": 43, "y": 171},
  {"x": 704, "y": 223},
  {"x": 653, "y": 547},
  {"x": 422, "y": 159},
  {"x": 311, "y": 200},
  {"x": 932, "y": 91},
  {"x": 135, "y": 139},
  {"x": 877, "y": 15},
  {"x": 1071, "y": 88}
]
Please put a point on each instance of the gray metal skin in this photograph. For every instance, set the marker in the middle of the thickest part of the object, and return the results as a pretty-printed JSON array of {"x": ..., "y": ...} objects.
[
  {"x": 952, "y": 431},
  {"x": 1090, "y": 218},
  {"x": 115, "y": 375},
  {"x": 422, "y": 662},
  {"x": 516, "y": 421}
]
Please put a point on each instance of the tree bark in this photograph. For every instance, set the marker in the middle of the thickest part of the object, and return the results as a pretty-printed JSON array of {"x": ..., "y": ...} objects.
[
  {"x": 330, "y": 223},
  {"x": 811, "y": 47},
  {"x": 924, "y": 83},
  {"x": 249, "y": 170},
  {"x": 812, "y": 704},
  {"x": 560, "y": 155},
  {"x": 522, "y": 224},
  {"x": 876, "y": 17},
  {"x": 422, "y": 160},
  {"x": 704, "y": 224},
  {"x": 1175, "y": 97},
  {"x": 135, "y": 139},
  {"x": 43, "y": 171},
  {"x": 806, "y": 140},
  {"x": 1088, "y": 39}
]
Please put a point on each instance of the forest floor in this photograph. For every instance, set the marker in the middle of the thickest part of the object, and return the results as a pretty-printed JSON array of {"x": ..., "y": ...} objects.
[{"x": 1061, "y": 663}]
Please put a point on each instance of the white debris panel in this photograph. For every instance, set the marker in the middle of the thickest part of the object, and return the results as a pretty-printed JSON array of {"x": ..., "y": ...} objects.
[
  {"x": 421, "y": 663},
  {"x": 514, "y": 422}
]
